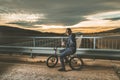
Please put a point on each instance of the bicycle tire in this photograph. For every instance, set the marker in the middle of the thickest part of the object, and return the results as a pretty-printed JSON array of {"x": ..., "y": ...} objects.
[
  {"x": 52, "y": 61},
  {"x": 75, "y": 63}
]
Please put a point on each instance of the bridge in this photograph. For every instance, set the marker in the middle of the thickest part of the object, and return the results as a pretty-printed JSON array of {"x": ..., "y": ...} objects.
[{"x": 87, "y": 47}]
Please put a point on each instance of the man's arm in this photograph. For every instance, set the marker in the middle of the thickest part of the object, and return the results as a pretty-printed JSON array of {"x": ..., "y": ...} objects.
[{"x": 72, "y": 41}]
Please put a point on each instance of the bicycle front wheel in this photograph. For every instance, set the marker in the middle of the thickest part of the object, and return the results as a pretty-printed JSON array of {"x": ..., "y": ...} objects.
[
  {"x": 76, "y": 63},
  {"x": 52, "y": 61}
]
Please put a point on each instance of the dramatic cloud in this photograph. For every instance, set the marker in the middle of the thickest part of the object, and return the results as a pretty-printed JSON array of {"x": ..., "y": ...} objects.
[
  {"x": 59, "y": 13},
  {"x": 21, "y": 17},
  {"x": 105, "y": 15}
]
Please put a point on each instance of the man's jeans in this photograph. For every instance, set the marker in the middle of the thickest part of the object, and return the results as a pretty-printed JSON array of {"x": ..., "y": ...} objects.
[{"x": 64, "y": 53}]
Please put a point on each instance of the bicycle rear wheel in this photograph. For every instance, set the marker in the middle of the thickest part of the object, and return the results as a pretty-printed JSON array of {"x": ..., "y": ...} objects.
[
  {"x": 52, "y": 61},
  {"x": 76, "y": 63}
]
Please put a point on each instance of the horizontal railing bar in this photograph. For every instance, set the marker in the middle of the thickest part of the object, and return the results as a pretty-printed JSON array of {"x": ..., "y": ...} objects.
[
  {"x": 52, "y": 48},
  {"x": 59, "y": 37}
]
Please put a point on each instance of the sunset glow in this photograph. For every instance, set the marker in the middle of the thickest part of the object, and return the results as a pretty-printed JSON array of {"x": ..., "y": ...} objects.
[{"x": 49, "y": 26}]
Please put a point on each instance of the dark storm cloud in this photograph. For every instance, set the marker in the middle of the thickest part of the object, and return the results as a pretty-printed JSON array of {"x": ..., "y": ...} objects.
[
  {"x": 22, "y": 23},
  {"x": 113, "y": 19},
  {"x": 65, "y": 12}
]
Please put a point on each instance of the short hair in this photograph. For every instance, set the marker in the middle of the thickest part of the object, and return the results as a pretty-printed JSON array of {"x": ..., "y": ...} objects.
[{"x": 69, "y": 29}]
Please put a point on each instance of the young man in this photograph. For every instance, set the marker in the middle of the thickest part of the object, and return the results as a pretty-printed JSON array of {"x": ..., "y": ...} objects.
[{"x": 70, "y": 48}]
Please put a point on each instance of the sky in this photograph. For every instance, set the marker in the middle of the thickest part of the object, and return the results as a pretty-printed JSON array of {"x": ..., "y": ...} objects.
[{"x": 43, "y": 15}]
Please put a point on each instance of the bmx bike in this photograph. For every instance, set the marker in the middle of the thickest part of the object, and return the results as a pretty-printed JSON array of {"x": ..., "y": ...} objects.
[{"x": 74, "y": 62}]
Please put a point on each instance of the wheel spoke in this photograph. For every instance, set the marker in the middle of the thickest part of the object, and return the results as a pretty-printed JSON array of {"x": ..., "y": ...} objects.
[
  {"x": 52, "y": 61},
  {"x": 76, "y": 63}
]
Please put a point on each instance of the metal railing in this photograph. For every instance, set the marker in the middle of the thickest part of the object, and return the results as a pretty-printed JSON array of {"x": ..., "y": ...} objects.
[{"x": 112, "y": 42}]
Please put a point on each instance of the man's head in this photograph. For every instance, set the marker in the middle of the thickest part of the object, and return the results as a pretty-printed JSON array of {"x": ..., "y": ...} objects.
[{"x": 68, "y": 31}]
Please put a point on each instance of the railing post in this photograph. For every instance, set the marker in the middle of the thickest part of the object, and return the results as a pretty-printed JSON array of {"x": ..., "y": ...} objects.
[
  {"x": 94, "y": 43},
  {"x": 61, "y": 42},
  {"x": 31, "y": 54},
  {"x": 33, "y": 46},
  {"x": 34, "y": 42}
]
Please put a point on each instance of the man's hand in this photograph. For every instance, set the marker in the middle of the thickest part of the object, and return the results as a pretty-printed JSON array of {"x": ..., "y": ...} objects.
[{"x": 63, "y": 44}]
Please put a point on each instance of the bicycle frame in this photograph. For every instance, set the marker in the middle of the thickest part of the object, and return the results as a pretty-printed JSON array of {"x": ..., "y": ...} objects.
[{"x": 55, "y": 49}]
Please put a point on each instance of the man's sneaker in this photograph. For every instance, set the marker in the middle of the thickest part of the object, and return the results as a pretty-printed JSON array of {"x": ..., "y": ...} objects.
[{"x": 61, "y": 69}]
